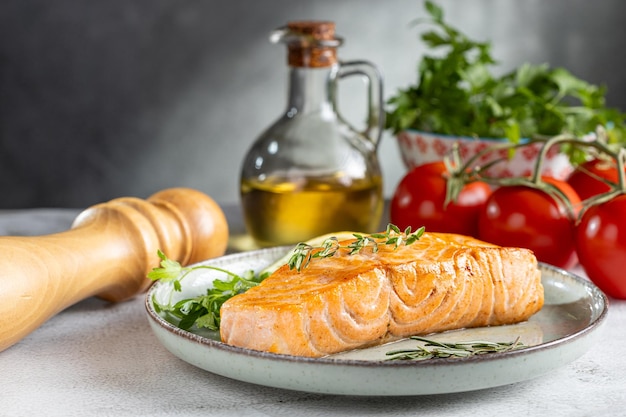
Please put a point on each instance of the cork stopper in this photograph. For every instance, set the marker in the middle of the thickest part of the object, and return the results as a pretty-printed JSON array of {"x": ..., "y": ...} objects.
[{"x": 311, "y": 43}]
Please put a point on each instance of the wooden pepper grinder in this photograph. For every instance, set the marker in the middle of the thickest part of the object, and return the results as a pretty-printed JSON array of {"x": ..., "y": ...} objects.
[{"x": 107, "y": 253}]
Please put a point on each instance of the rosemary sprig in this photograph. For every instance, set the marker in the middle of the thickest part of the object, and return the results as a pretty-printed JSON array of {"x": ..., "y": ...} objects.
[
  {"x": 303, "y": 253},
  {"x": 452, "y": 350}
]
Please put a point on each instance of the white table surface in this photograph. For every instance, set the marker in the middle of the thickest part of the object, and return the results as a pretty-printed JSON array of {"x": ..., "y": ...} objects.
[{"x": 101, "y": 359}]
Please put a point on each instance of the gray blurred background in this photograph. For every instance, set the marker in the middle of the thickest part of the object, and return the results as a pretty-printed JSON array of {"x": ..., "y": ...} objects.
[{"x": 101, "y": 99}]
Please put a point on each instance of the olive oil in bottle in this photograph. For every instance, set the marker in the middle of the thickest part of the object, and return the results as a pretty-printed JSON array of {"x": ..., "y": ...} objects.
[
  {"x": 311, "y": 173},
  {"x": 280, "y": 212}
]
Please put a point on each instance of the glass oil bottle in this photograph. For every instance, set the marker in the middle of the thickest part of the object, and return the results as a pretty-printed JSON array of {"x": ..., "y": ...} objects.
[{"x": 312, "y": 173}]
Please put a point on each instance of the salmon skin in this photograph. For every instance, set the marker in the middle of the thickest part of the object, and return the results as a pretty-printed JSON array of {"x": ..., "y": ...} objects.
[{"x": 440, "y": 282}]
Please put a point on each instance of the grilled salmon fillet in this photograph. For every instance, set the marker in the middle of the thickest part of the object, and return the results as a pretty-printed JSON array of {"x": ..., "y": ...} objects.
[{"x": 440, "y": 282}]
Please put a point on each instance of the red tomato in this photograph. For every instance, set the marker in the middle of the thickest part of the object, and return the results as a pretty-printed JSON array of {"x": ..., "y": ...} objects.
[
  {"x": 522, "y": 216},
  {"x": 601, "y": 245},
  {"x": 419, "y": 201},
  {"x": 586, "y": 179}
]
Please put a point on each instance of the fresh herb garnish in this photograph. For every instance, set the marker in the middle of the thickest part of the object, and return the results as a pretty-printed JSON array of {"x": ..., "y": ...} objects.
[
  {"x": 451, "y": 350},
  {"x": 203, "y": 310},
  {"x": 457, "y": 94},
  {"x": 303, "y": 253}
]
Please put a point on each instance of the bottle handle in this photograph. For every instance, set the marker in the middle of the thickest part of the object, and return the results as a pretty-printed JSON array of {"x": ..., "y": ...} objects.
[{"x": 375, "y": 105}]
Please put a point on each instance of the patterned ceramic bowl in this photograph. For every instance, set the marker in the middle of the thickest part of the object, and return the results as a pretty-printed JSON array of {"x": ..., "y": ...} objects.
[{"x": 418, "y": 148}]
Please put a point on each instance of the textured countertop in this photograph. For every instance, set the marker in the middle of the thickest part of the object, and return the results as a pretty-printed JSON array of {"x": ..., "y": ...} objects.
[{"x": 100, "y": 359}]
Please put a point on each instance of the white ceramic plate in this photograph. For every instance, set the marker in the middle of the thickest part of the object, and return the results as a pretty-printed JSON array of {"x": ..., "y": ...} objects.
[{"x": 566, "y": 327}]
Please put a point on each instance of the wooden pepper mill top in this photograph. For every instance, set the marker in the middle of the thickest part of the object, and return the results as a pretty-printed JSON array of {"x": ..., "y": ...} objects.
[{"x": 107, "y": 253}]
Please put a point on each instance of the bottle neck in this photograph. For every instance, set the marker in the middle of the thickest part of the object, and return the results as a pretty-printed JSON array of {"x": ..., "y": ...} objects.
[{"x": 311, "y": 90}]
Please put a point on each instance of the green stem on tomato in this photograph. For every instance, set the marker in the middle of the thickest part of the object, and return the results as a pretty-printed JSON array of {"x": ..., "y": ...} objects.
[
  {"x": 461, "y": 174},
  {"x": 536, "y": 178},
  {"x": 621, "y": 163}
]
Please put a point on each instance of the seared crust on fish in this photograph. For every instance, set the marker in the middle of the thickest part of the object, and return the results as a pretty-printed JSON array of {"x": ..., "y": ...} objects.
[{"x": 441, "y": 282}]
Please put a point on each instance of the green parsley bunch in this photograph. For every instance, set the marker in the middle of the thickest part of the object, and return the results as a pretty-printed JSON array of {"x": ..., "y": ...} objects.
[{"x": 458, "y": 95}]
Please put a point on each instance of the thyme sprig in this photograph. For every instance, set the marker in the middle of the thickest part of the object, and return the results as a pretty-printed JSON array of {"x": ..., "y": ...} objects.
[
  {"x": 441, "y": 350},
  {"x": 303, "y": 253}
]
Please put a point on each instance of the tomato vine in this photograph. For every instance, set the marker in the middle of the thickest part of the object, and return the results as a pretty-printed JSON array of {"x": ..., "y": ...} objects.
[{"x": 548, "y": 217}]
